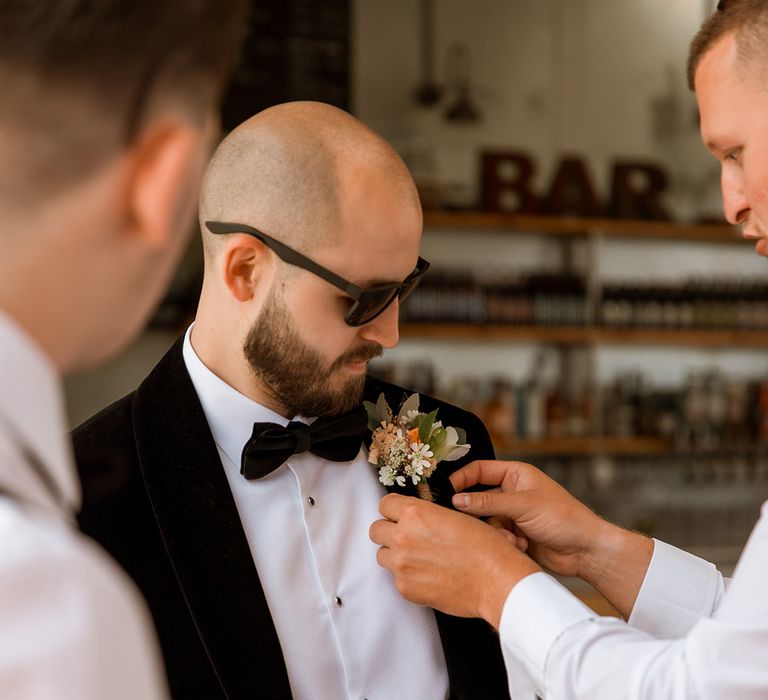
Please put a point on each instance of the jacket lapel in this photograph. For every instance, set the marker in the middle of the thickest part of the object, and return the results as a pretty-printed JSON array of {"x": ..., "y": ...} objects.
[{"x": 204, "y": 538}]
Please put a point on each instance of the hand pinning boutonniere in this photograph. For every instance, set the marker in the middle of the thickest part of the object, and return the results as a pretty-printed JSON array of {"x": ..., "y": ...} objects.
[{"x": 411, "y": 444}]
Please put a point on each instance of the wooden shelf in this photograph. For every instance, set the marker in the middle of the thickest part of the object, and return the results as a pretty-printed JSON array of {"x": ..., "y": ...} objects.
[
  {"x": 584, "y": 446},
  {"x": 577, "y": 226},
  {"x": 585, "y": 335}
]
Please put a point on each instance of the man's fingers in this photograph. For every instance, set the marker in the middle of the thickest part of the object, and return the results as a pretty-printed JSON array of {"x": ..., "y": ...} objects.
[
  {"x": 391, "y": 506},
  {"x": 519, "y": 543},
  {"x": 505, "y": 505},
  {"x": 381, "y": 532},
  {"x": 478, "y": 472},
  {"x": 491, "y": 473},
  {"x": 501, "y": 522},
  {"x": 384, "y": 557},
  {"x": 395, "y": 508}
]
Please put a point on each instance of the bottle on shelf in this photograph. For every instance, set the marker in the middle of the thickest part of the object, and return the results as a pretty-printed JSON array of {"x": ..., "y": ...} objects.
[
  {"x": 501, "y": 411},
  {"x": 708, "y": 413}
]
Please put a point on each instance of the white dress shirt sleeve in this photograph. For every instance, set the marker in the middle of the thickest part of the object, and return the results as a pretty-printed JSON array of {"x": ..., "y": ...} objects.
[
  {"x": 72, "y": 627},
  {"x": 555, "y": 645},
  {"x": 679, "y": 589}
]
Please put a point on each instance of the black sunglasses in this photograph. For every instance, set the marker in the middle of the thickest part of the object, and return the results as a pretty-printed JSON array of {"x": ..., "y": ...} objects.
[{"x": 369, "y": 303}]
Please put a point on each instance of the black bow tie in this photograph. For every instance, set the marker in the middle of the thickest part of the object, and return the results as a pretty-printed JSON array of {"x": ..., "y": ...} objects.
[{"x": 337, "y": 438}]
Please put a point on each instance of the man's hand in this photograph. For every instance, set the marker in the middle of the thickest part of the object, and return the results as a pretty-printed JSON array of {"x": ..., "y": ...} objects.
[
  {"x": 563, "y": 535},
  {"x": 561, "y": 531},
  {"x": 447, "y": 560}
]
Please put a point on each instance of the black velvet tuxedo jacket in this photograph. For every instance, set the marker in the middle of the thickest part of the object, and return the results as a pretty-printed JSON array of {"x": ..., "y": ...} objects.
[{"x": 156, "y": 497}]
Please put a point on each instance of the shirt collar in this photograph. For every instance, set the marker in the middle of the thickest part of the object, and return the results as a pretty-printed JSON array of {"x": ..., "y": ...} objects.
[
  {"x": 32, "y": 413},
  {"x": 229, "y": 413}
]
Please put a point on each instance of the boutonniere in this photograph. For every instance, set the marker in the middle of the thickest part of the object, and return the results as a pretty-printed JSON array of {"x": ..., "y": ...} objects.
[{"x": 411, "y": 444}]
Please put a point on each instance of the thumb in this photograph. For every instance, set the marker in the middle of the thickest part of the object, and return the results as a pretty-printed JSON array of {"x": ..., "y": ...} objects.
[{"x": 490, "y": 503}]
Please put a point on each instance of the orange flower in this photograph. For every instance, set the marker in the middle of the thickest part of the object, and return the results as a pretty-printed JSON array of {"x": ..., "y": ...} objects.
[{"x": 413, "y": 436}]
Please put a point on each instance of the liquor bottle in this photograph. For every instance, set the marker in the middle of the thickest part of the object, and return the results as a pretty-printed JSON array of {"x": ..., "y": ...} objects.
[{"x": 500, "y": 413}]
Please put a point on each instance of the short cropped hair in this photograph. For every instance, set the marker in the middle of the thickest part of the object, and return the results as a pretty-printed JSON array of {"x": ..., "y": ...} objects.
[
  {"x": 748, "y": 19},
  {"x": 79, "y": 76}
]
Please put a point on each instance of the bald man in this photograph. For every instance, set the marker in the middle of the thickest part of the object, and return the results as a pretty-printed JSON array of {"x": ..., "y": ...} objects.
[{"x": 257, "y": 565}]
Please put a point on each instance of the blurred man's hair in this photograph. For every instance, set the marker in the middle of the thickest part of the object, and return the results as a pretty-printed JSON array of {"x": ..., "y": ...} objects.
[
  {"x": 747, "y": 19},
  {"x": 79, "y": 77}
]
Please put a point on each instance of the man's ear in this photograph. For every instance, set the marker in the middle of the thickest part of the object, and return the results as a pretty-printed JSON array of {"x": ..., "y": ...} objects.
[
  {"x": 245, "y": 265},
  {"x": 164, "y": 180}
]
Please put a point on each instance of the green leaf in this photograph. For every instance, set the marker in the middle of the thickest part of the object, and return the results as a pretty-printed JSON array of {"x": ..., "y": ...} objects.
[
  {"x": 425, "y": 426},
  {"x": 382, "y": 409},
  {"x": 462, "y": 436},
  {"x": 438, "y": 435},
  {"x": 410, "y": 404},
  {"x": 373, "y": 420}
]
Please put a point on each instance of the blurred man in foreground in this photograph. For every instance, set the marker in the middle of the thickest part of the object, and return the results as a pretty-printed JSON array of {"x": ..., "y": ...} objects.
[
  {"x": 106, "y": 119},
  {"x": 687, "y": 636}
]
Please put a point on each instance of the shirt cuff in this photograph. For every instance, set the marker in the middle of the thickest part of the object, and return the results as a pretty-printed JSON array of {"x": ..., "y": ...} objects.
[
  {"x": 538, "y": 610},
  {"x": 677, "y": 591}
]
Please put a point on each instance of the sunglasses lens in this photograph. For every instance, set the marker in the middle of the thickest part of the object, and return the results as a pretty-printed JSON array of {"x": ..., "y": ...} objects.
[
  {"x": 407, "y": 291},
  {"x": 370, "y": 304},
  {"x": 373, "y": 302}
]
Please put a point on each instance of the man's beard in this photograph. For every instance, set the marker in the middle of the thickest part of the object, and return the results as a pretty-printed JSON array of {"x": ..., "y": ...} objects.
[{"x": 295, "y": 374}]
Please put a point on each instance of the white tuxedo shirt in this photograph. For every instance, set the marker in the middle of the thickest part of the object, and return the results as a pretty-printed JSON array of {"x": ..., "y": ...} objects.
[{"x": 344, "y": 630}]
